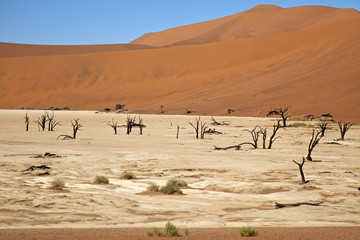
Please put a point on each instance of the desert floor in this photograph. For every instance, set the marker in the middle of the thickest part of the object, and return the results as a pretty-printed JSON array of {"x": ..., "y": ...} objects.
[{"x": 227, "y": 189}]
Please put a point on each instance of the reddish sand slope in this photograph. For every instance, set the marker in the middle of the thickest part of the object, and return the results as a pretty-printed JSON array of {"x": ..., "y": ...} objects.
[
  {"x": 261, "y": 20},
  {"x": 314, "y": 70},
  {"x": 20, "y": 50}
]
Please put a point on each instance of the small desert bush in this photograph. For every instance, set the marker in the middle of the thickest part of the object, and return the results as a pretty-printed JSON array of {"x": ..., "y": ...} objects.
[
  {"x": 248, "y": 232},
  {"x": 57, "y": 184},
  {"x": 172, "y": 186},
  {"x": 177, "y": 182},
  {"x": 127, "y": 175},
  {"x": 170, "y": 189},
  {"x": 170, "y": 231},
  {"x": 153, "y": 188},
  {"x": 101, "y": 179}
]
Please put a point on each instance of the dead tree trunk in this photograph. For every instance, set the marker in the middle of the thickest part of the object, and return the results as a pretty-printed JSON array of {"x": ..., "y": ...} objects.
[
  {"x": 41, "y": 121},
  {"x": 313, "y": 142},
  {"x": 26, "y": 122},
  {"x": 203, "y": 128},
  {"x": 281, "y": 111},
  {"x": 52, "y": 123},
  {"x": 141, "y": 126},
  {"x": 264, "y": 133},
  {"x": 76, "y": 127},
  {"x": 273, "y": 138},
  {"x": 344, "y": 127},
  {"x": 237, "y": 147},
  {"x": 280, "y": 205},
  {"x": 303, "y": 181},
  {"x": 323, "y": 126},
  {"x": 113, "y": 125},
  {"x": 177, "y": 132},
  {"x": 214, "y": 122},
  {"x": 196, "y": 126}
]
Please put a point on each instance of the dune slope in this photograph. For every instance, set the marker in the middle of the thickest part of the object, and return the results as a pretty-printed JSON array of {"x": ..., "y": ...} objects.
[
  {"x": 261, "y": 20},
  {"x": 313, "y": 70},
  {"x": 21, "y": 50}
]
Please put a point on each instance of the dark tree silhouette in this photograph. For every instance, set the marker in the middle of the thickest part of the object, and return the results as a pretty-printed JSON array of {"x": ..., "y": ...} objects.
[
  {"x": 281, "y": 111},
  {"x": 203, "y": 128},
  {"x": 322, "y": 124},
  {"x": 254, "y": 135},
  {"x": 27, "y": 121},
  {"x": 344, "y": 127},
  {"x": 41, "y": 121},
  {"x": 177, "y": 132},
  {"x": 113, "y": 125},
  {"x": 130, "y": 123},
  {"x": 276, "y": 127},
  {"x": 313, "y": 142},
  {"x": 76, "y": 127},
  {"x": 196, "y": 126},
  {"x": 52, "y": 123},
  {"x": 303, "y": 181}
]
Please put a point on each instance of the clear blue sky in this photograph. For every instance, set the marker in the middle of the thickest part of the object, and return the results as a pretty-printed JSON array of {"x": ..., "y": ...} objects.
[{"x": 117, "y": 21}]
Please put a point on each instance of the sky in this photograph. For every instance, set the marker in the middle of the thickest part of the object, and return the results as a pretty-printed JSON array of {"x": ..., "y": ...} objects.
[{"x": 79, "y": 22}]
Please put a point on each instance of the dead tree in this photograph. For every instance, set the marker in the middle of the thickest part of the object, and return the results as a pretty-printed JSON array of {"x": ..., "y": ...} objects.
[
  {"x": 203, "y": 128},
  {"x": 41, "y": 121},
  {"x": 76, "y": 127},
  {"x": 196, "y": 126},
  {"x": 322, "y": 124},
  {"x": 27, "y": 121},
  {"x": 129, "y": 124},
  {"x": 313, "y": 142},
  {"x": 273, "y": 138},
  {"x": 237, "y": 147},
  {"x": 281, "y": 205},
  {"x": 52, "y": 123},
  {"x": 255, "y": 137},
  {"x": 281, "y": 111},
  {"x": 113, "y": 125},
  {"x": 303, "y": 181},
  {"x": 344, "y": 127},
  {"x": 263, "y": 132},
  {"x": 177, "y": 132},
  {"x": 140, "y": 124},
  {"x": 214, "y": 122}
]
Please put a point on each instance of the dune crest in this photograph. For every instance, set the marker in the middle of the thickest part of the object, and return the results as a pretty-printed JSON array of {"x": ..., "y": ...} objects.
[{"x": 261, "y": 20}]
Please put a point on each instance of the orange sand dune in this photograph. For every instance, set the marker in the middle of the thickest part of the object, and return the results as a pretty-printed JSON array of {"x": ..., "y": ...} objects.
[
  {"x": 20, "y": 50},
  {"x": 261, "y": 20},
  {"x": 314, "y": 70}
]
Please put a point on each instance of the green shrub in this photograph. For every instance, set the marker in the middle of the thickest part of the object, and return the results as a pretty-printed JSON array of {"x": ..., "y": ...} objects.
[
  {"x": 127, "y": 175},
  {"x": 177, "y": 183},
  {"x": 101, "y": 179},
  {"x": 248, "y": 232},
  {"x": 170, "y": 231},
  {"x": 153, "y": 188},
  {"x": 119, "y": 106},
  {"x": 170, "y": 189},
  {"x": 57, "y": 184}
]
